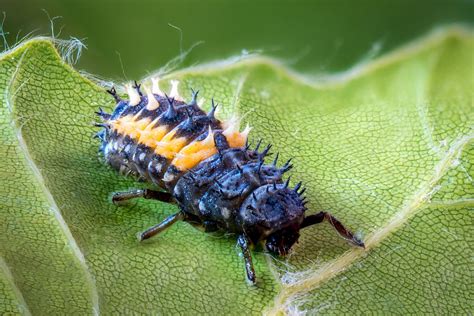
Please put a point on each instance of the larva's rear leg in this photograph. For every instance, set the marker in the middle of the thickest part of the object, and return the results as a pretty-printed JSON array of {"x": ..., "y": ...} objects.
[
  {"x": 119, "y": 197},
  {"x": 338, "y": 226},
  {"x": 244, "y": 245},
  {"x": 155, "y": 230}
]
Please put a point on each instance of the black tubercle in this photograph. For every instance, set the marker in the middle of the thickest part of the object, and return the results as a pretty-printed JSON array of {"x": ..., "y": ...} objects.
[
  {"x": 137, "y": 87},
  {"x": 212, "y": 112},
  {"x": 113, "y": 93},
  {"x": 194, "y": 97},
  {"x": 103, "y": 115}
]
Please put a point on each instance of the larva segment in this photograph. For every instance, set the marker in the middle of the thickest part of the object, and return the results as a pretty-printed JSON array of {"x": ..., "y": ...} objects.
[
  {"x": 131, "y": 126},
  {"x": 170, "y": 145},
  {"x": 195, "y": 152},
  {"x": 150, "y": 135}
]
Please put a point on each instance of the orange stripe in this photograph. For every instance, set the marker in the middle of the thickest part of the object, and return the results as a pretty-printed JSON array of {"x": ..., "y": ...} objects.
[{"x": 184, "y": 153}]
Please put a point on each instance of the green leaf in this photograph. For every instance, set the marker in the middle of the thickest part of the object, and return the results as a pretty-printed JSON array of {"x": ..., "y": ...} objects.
[{"x": 386, "y": 147}]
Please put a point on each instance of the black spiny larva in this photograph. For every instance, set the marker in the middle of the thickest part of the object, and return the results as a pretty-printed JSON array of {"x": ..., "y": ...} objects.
[{"x": 206, "y": 167}]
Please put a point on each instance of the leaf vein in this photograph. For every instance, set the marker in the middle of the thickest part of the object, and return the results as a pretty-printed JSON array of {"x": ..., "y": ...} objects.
[{"x": 6, "y": 271}]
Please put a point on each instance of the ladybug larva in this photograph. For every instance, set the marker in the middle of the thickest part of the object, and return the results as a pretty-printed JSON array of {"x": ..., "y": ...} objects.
[{"x": 207, "y": 168}]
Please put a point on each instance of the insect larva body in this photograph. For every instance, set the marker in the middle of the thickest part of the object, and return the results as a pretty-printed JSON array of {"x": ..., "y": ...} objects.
[{"x": 207, "y": 168}]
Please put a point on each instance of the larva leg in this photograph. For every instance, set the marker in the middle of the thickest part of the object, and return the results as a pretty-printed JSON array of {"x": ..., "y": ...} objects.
[
  {"x": 154, "y": 230},
  {"x": 338, "y": 226},
  {"x": 244, "y": 245},
  {"x": 119, "y": 197}
]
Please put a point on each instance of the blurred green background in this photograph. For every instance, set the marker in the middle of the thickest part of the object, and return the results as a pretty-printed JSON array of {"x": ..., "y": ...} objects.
[{"x": 314, "y": 37}]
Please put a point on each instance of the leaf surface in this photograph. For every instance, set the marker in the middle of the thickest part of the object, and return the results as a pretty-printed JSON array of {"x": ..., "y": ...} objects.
[{"x": 386, "y": 147}]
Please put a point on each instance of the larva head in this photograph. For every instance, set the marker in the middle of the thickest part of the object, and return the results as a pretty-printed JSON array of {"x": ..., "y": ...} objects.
[{"x": 273, "y": 213}]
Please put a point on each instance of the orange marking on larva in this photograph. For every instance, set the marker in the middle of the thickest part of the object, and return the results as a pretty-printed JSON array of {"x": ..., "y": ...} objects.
[
  {"x": 149, "y": 136},
  {"x": 232, "y": 134},
  {"x": 121, "y": 124},
  {"x": 144, "y": 132},
  {"x": 235, "y": 139},
  {"x": 169, "y": 146},
  {"x": 140, "y": 127},
  {"x": 128, "y": 125},
  {"x": 192, "y": 154},
  {"x": 183, "y": 155}
]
